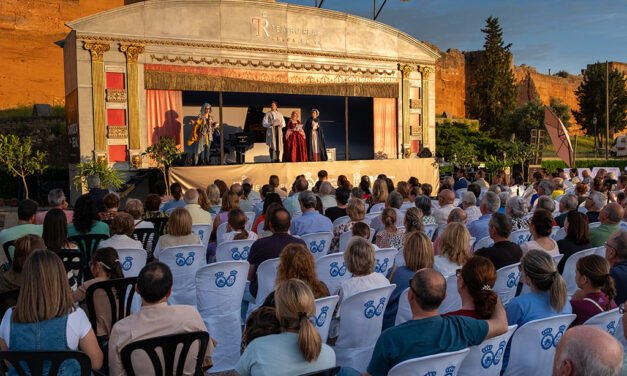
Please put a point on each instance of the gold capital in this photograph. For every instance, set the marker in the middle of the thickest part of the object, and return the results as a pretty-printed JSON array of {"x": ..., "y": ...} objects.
[
  {"x": 132, "y": 51},
  {"x": 96, "y": 49},
  {"x": 426, "y": 71},
  {"x": 406, "y": 69}
]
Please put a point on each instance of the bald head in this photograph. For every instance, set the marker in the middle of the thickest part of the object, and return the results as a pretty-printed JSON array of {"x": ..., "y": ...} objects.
[
  {"x": 429, "y": 290},
  {"x": 236, "y": 188},
  {"x": 587, "y": 350},
  {"x": 191, "y": 196},
  {"x": 446, "y": 197},
  {"x": 457, "y": 215},
  {"x": 612, "y": 213}
]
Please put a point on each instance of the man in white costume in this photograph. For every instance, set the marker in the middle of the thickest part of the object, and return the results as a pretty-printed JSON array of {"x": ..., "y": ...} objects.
[{"x": 274, "y": 122}]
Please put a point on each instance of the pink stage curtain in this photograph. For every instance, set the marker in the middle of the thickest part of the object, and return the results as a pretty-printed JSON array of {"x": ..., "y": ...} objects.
[
  {"x": 385, "y": 126},
  {"x": 164, "y": 112}
]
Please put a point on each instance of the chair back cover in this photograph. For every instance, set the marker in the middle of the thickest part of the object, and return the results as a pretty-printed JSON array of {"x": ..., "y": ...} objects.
[
  {"x": 554, "y": 232},
  {"x": 219, "y": 291},
  {"x": 607, "y": 321},
  {"x": 446, "y": 364},
  {"x": 403, "y": 314},
  {"x": 203, "y": 232},
  {"x": 507, "y": 279},
  {"x": 377, "y": 208},
  {"x": 486, "y": 358},
  {"x": 430, "y": 230},
  {"x": 234, "y": 250},
  {"x": 570, "y": 268},
  {"x": 519, "y": 236},
  {"x": 266, "y": 280},
  {"x": 343, "y": 219},
  {"x": 453, "y": 301},
  {"x": 384, "y": 260},
  {"x": 318, "y": 243},
  {"x": 332, "y": 270},
  {"x": 250, "y": 219},
  {"x": 220, "y": 231},
  {"x": 324, "y": 313},
  {"x": 360, "y": 326},
  {"x": 184, "y": 261},
  {"x": 533, "y": 346},
  {"x": 344, "y": 239},
  {"x": 132, "y": 261},
  {"x": 559, "y": 235},
  {"x": 483, "y": 242}
]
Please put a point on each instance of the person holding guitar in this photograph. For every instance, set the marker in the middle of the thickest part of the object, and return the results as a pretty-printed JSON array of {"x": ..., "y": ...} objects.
[{"x": 202, "y": 135}]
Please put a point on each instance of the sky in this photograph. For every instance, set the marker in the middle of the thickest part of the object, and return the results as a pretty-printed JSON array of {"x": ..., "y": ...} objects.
[{"x": 549, "y": 35}]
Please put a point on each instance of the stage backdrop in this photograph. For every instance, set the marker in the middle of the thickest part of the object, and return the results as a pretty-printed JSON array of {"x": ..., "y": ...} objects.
[{"x": 397, "y": 170}]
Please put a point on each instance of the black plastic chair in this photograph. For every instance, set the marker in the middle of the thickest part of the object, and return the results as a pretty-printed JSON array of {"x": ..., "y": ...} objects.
[
  {"x": 120, "y": 293},
  {"x": 28, "y": 363},
  {"x": 160, "y": 224},
  {"x": 149, "y": 238},
  {"x": 88, "y": 243},
  {"x": 169, "y": 346},
  {"x": 6, "y": 246},
  {"x": 325, "y": 372},
  {"x": 74, "y": 262},
  {"x": 8, "y": 299}
]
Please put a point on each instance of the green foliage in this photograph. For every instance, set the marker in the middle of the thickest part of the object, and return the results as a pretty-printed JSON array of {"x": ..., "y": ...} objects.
[
  {"x": 108, "y": 175},
  {"x": 494, "y": 93},
  {"x": 164, "y": 153},
  {"x": 591, "y": 95},
  {"x": 561, "y": 110},
  {"x": 17, "y": 156},
  {"x": 530, "y": 116},
  {"x": 552, "y": 164}
]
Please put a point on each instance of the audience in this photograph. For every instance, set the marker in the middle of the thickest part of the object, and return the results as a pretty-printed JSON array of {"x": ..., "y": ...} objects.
[
  {"x": 179, "y": 232},
  {"x": 55, "y": 231},
  {"x": 12, "y": 278},
  {"x": 461, "y": 181},
  {"x": 111, "y": 204},
  {"x": 446, "y": 199},
  {"x": 122, "y": 228},
  {"x": 246, "y": 201},
  {"x": 596, "y": 288},
  {"x": 413, "y": 221},
  {"x": 135, "y": 208},
  {"x": 577, "y": 237},
  {"x": 292, "y": 204},
  {"x": 469, "y": 204},
  {"x": 270, "y": 198},
  {"x": 490, "y": 204},
  {"x": 214, "y": 197},
  {"x": 266, "y": 189},
  {"x": 56, "y": 200},
  {"x": 567, "y": 204},
  {"x": 86, "y": 220},
  {"x": 423, "y": 202},
  {"x": 587, "y": 350},
  {"x": 260, "y": 323},
  {"x": 26, "y": 211},
  {"x": 540, "y": 227},
  {"x": 475, "y": 281},
  {"x": 610, "y": 216},
  {"x": 593, "y": 204},
  {"x": 390, "y": 236},
  {"x": 503, "y": 252},
  {"x": 96, "y": 192},
  {"x": 616, "y": 255},
  {"x": 176, "y": 190},
  {"x": 327, "y": 196},
  {"x": 356, "y": 210},
  {"x": 310, "y": 221},
  {"x": 341, "y": 198},
  {"x": 151, "y": 207},
  {"x": 236, "y": 227},
  {"x": 379, "y": 193},
  {"x": 394, "y": 202},
  {"x": 199, "y": 215},
  {"x": 516, "y": 209},
  {"x": 230, "y": 201},
  {"x": 454, "y": 249}
]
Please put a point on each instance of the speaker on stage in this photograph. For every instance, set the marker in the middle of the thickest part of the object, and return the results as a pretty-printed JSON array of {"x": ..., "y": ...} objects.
[{"x": 425, "y": 153}]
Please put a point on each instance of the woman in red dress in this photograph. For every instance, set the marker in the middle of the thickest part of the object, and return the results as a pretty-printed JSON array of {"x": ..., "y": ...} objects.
[{"x": 295, "y": 149}]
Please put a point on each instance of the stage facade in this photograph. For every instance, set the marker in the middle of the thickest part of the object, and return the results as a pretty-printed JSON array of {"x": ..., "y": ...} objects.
[{"x": 127, "y": 71}]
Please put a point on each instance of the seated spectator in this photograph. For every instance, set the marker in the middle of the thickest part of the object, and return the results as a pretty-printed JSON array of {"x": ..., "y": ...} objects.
[
  {"x": 151, "y": 207},
  {"x": 427, "y": 190},
  {"x": 270, "y": 198},
  {"x": 413, "y": 221},
  {"x": 323, "y": 176},
  {"x": 587, "y": 350},
  {"x": 577, "y": 237},
  {"x": 111, "y": 203},
  {"x": 543, "y": 188},
  {"x": 518, "y": 188},
  {"x": 96, "y": 192},
  {"x": 176, "y": 190},
  {"x": 404, "y": 189},
  {"x": 199, "y": 215},
  {"x": 26, "y": 211},
  {"x": 610, "y": 217},
  {"x": 390, "y": 236},
  {"x": 461, "y": 181},
  {"x": 271, "y": 246},
  {"x": 356, "y": 211},
  {"x": 311, "y": 220},
  {"x": 236, "y": 228},
  {"x": 274, "y": 182},
  {"x": 593, "y": 204},
  {"x": 327, "y": 195},
  {"x": 341, "y": 198},
  {"x": 364, "y": 185},
  {"x": 86, "y": 220},
  {"x": 596, "y": 288},
  {"x": 213, "y": 195},
  {"x": 122, "y": 228},
  {"x": 495, "y": 188},
  {"x": 203, "y": 200},
  {"x": 230, "y": 201},
  {"x": 475, "y": 281},
  {"x": 297, "y": 262},
  {"x": 252, "y": 194},
  {"x": 56, "y": 200},
  {"x": 567, "y": 204},
  {"x": 12, "y": 278},
  {"x": 298, "y": 349},
  {"x": 469, "y": 204},
  {"x": 418, "y": 254},
  {"x": 503, "y": 252},
  {"x": 446, "y": 199},
  {"x": 503, "y": 197},
  {"x": 540, "y": 227},
  {"x": 260, "y": 323},
  {"x": 581, "y": 191},
  {"x": 363, "y": 231},
  {"x": 428, "y": 333},
  {"x": 616, "y": 255},
  {"x": 548, "y": 290},
  {"x": 246, "y": 201},
  {"x": 155, "y": 319},
  {"x": 379, "y": 193},
  {"x": 480, "y": 180},
  {"x": 179, "y": 232},
  {"x": 343, "y": 182},
  {"x": 45, "y": 317},
  {"x": 135, "y": 208},
  {"x": 259, "y": 204},
  {"x": 291, "y": 203},
  {"x": 546, "y": 203},
  {"x": 454, "y": 249},
  {"x": 573, "y": 174},
  {"x": 394, "y": 202},
  {"x": 490, "y": 204},
  {"x": 423, "y": 202},
  {"x": 55, "y": 231},
  {"x": 558, "y": 188},
  {"x": 456, "y": 215},
  {"x": 104, "y": 265}
]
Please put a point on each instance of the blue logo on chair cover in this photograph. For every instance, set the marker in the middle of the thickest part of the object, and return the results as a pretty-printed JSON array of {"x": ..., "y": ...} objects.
[
  {"x": 381, "y": 268},
  {"x": 372, "y": 311},
  {"x": 611, "y": 327},
  {"x": 128, "y": 263},
  {"x": 489, "y": 358},
  {"x": 237, "y": 255},
  {"x": 201, "y": 234},
  {"x": 182, "y": 261},
  {"x": 431, "y": 373},
  {"x": 222, "y": 281},
  {"x": 322, "y": 317},
  {"x": 548, "y": 340},
  {"x": 512, "y": 279},
  {"x": 450, "y": 371},
  {"x": 315, "y": 248},
  {"x": 337, "y": 271}
]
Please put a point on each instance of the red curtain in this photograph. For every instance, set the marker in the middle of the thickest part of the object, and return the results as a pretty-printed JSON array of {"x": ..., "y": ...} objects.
[
  {"x": 164, "y": 113},
  {"x": 385, "y": 126}
]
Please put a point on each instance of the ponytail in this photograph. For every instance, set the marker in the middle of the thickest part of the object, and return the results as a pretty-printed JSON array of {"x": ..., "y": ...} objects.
[
  {"x": 597, "y": 270},
  {"x": 609, "y": 289},
  {"x": 541, "y": 271},
  {"x": 237, "y": 220},
  {"x": 485, "y": 302},
  {"x": 108, "y": 257},
  {"x": 243, "y": 235},
  {"x": 309, "y": 341},
  {"x": 388, "y": 218},
  {"x": 557, "y": 292},
  {"x": 479, "y": 277}
]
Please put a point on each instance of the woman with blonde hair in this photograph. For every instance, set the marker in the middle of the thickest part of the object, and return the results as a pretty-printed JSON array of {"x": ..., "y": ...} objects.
[
  {"x": 391, "y": 236},
  {"x": 418, "y": 254},
  {"x": 454, "y": 249},
  {"x": 203, "y": 200},
  {"x": 230, "y": 201},
  {"x": 179, "y": 232},
  {"x": 298, "y": 349},
  {"x": 213, "y": 195},
  {"x": 413, "y": 221},
  {"x": 548, "y": 296},
  {"x": 356, "y": 211},
  {"x": 379, "y": 193},
  {"x": 45, "y": 318}
]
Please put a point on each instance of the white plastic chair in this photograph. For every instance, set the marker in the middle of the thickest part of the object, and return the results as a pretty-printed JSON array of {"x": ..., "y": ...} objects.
[
  {"x": 557, "y": 258},
  {"x": 132, "y": 261},
  {"x": 452, "y": 301},
  {"x": 403, "y": 313},
  {"x": 460, "y": 192},
  {"x": 482, "y": 243},
  {"x": 600, "y": 251},
  {"x": 607, "y": 321},
  {"x": 507, "y": 279},
  {"x": 260, "y": 227},
  {"x": 446, "y": 364},
  {"x": 623, "y": 225},
  {"x": 430, "y": 230},
  {"x": 384, "y": 259},
  {"x": 594, "y": 225},
  {"x": 533, "y": 346},
  {"x": 318, "y": 243},
  {"x": 485, "y": 359},
  {"x": 360, "y": 326},
  {"x": 554, "y": 232},
  {"x": 406, "y": 206},
  {"x": 399, "y": 259},
  {"x": 220, "y": 231},
  {"x": 559, "y": 235},
  {"x": 519, "y": 236},
  {"x": 331, "y": 270},
  {"x": 250, "y": 220},
  {"x": 344, "y": 238},
  {"x": 184, "y": 261},
  {"x": 216, "y": 209},
  {"x": 324, "y": 313},
  {"x": 471, "y": 242},
  {"x": 377, "y": 208},
  {"x": 340, "y": 220},
  {"x": 203, "y": 232},
  {"x": 570, "y": 268},
  {"x": 266, "y": 279},
  {"x": 219, "y": 291},
  {"x": 234, "y": 250},
  {"x": 435, "y": 205}
]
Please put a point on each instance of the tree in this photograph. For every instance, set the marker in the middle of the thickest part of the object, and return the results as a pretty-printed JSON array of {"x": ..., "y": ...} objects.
[
  {"x": 18, "y": 157},
  {"x": 109, "y": 177},
  {"x": 561, "y": 110},
  {"x": 164, "y": 153},
  {"x": 591, "y": 98},
  {"x": 494, "y": 93},
  {"x": 530, "y": 116}
]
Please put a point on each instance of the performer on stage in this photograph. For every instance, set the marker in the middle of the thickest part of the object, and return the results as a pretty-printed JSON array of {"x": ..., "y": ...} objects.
[
  {"x": 274, "y": 122},
  {"x": 295, "y": 143},
  {"x": 316, "y": 148},
  {"x": 202, "y": 134}
]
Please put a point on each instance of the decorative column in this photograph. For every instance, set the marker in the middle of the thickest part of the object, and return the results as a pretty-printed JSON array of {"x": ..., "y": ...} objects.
[
  {"x": 406, "y": 70},
  {"x": 97, "y": 51},
  {"x": 132, "y": 52},
  {"x": 426, "y": 96}
]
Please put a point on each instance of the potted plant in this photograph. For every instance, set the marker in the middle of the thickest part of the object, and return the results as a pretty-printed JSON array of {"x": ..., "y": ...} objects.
[
  {"x": 164, "y": 153},
  {"x": 109, "y": 177},
  {"x": 17, "y": 156}
]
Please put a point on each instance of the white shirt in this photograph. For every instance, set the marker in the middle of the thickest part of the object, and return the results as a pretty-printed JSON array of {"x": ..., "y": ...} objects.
[
  {"x": 441, "y": 215},
  {"x": 140, "y": 223},
  {"x": 445, "y": 266},
  {"x": 472, "y": 213},
  {"x": 228, "y": 236},
  {"x": 121, "y": 242},
  {"x": 532, "y": 244},
  {"x": 77, "y": 328}
]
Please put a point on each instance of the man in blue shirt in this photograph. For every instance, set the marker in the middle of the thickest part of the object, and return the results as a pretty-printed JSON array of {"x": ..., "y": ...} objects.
[
  {"x": 428, "y": 333},
  {"x": 490, "y": 204},
  {"x": 176, "y": 190},
  {"x": 461, "y": 180},
  {"x": 616, "y": 255},
  {"x": 311, "y": 221},
  {"x": 291, "y": 203}
]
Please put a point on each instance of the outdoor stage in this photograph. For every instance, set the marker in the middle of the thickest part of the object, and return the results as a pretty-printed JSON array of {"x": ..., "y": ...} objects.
[{"x": 397, "y": 170}]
